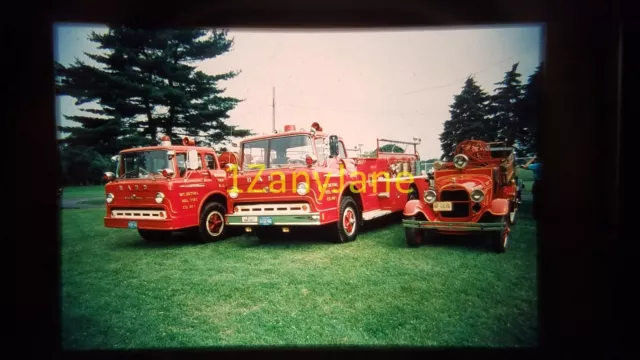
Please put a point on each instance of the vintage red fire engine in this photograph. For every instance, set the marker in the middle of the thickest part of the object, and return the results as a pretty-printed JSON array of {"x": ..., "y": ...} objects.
[
  {"x": 477, "y": 191},
  {"x": 160, "y": 189},
  {"x": 306, "y": 178}
]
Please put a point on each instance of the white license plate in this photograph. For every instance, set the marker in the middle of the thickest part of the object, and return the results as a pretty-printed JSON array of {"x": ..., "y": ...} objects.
[
  {"x": 442, "y": 206},
  {"x": 249, "y": 219}
]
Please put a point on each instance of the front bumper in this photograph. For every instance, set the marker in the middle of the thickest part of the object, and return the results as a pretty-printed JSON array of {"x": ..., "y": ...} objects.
[
  {"x": 167, "y": 224},
  {"x": 453, "y": 226},
  {"x": 276, "y": 220}
]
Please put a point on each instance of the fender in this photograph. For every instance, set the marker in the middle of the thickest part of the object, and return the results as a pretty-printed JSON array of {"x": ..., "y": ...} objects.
[
  {"x": 342, "y": 191},
  {"x": 204, "y": 198},
  {"x": 413, "y": 207},
  {"x": 499, "y": 207}
]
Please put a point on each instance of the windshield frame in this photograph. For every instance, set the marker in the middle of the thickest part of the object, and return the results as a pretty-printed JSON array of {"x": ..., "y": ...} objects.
[
  {"x": 267, "y": 162},
  {"x": 121, "y": 169}
]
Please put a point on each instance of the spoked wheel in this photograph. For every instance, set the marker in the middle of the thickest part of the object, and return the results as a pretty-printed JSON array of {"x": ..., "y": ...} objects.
[
  {"x": 414, "y": 236},
  {"x": 500, "y": 239},
  {"x": 349, "y": 221}
]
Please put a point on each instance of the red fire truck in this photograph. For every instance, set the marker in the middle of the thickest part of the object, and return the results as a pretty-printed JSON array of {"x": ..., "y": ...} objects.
[
  {"x": 160, "y": 189},
  {"x": 475, "y": 193},
  {"x": 306, "y": 178}
]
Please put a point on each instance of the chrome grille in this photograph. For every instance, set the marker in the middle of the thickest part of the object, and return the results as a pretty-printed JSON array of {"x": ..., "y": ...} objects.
[
  {"x": 271, "y": 209},
  {"x": 460, "y": 205},
  {"x": 137, "y": 214}
]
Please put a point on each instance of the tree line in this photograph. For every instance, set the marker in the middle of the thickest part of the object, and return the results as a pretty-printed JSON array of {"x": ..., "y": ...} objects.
[
  {"x": 146, "y": 84},
  {"x": 510, "y": 115}
]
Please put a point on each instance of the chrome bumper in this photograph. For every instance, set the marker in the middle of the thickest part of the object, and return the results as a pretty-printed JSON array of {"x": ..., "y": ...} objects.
[
  {"x": 276, "y": 220},
  {"x": 453, "y": 226}
]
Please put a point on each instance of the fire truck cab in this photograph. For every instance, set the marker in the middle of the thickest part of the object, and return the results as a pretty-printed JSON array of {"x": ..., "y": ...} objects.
[
  {"x": 160, "y": 189},
  {"x": 307, "y": 178}
]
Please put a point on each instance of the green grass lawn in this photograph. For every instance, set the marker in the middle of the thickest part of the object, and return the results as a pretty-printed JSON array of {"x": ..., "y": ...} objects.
[
  {"x": 92, "y": 202},
  {"x": 119, "y": 292},
  {"x": 77, "y": 192}
]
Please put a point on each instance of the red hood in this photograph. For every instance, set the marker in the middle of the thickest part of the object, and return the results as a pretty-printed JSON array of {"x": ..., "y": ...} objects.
[
  {"x": 275, "y": 176},
  {"x": 469, "y": 182},
  {"x": 137, "y": 191}
]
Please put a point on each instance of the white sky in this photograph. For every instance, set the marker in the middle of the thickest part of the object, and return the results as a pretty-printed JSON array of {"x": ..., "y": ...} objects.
[{"x": 360, "y": 85}]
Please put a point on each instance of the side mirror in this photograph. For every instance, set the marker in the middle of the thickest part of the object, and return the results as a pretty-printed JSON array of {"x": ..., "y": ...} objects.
[
  {"x": 193, "y": 160},
  {"x": 333, "y": 146},
  {"x": 109, "y": 176}
]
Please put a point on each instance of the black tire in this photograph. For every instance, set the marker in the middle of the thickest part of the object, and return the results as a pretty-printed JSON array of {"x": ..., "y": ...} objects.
[
  {"x": 500, "y": 239},
  {"x": 154, "y": 236},
  {"x": 414, "y": 236},
  {"x": 211, "y": 226},
  {"x": 413, "y": 195},
  {"x": 350, "y": 214}
]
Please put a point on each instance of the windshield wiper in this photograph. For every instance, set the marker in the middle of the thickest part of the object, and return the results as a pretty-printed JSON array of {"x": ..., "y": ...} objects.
[
  {"x": 138, "y": 169},
  {"x": 148, "y": 172},
  {"x": 124, "y": 176}
]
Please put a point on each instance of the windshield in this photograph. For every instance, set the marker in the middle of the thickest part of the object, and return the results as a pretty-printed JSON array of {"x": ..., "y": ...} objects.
[
  {"x": 143, "y": 164},
  {"x": 278, "y": 152}
]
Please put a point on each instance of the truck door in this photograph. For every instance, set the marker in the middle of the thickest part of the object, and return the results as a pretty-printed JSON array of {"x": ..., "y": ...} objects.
[
  {"x": 191, "y": 184},
  {"x": 214, "y": 177}
]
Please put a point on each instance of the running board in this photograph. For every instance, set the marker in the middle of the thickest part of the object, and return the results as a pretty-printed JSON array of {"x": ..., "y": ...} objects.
[{"x": 368, "y": 215}]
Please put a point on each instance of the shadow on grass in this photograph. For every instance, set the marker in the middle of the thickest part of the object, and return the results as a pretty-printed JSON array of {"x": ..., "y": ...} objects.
[
  {"x": 177, "y": 239},
  {"x": 320, "y": 235},
  {"x": 296, "y": 237}
]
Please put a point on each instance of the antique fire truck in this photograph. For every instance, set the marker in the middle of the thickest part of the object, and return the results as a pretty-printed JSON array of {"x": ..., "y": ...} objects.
[
  {"x": 299, "y": 178},
  {"x": 160, "y": 189},
  {"x": 476, "y": 192}
]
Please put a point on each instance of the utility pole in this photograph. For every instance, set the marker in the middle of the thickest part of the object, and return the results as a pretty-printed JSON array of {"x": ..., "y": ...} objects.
[{"x": 273, "y": 116}]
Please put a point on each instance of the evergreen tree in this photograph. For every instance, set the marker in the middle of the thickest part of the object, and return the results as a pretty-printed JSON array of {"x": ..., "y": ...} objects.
[
  {"x": 504, "y": 116},
  {"x": 147, "y": 83},
  {"x": 468, "y": 118},
  {"x": 391, "y": 148},
  {"x": 529, "y": 112}
]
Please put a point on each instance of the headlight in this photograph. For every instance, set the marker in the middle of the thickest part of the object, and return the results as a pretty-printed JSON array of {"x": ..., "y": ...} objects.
[
  {"x": 110, "y": 198},
  {"x": 302, "y": 189},
  {"x": 159, "y": 197},
  {"x": 233, "y": 193},
  {"x": 477, "y": 195},
  {"x": 429, "y": 196},
  {"x": 437, "y": 165},
  {"x": 460, "y": 161}
]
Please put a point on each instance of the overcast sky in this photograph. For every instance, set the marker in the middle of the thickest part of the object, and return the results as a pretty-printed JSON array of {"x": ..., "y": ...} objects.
[{"x": 361, "y": 85}]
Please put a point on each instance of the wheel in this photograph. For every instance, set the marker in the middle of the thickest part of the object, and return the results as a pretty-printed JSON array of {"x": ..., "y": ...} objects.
[
  {"x": 211, "y": 226},
  {"x": 413, "y": 236},
  {"x": 349, "y": 220},
  {"x": 413, "y": 195},
  {"x": 500, "y": 240},
  {"x": 513, "y": 208},
  {"x": 154, "y": 235}
]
